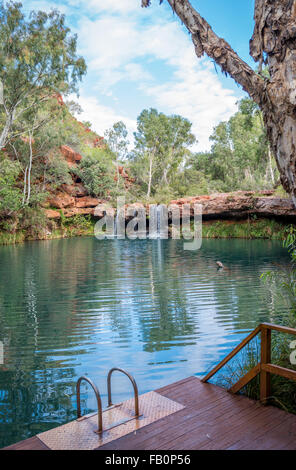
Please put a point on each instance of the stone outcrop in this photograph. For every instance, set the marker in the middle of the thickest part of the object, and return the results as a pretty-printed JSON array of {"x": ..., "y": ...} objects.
[
  {"x": 71, "y": 157},
  {"x": 52, "y": 214},
  {"x": 70, "y": 205},
  {"x": 87, "y": 201},
  {"x": 240, "y": 205},
  {"x": 75, "y": 190},
  {"x": 61, "y": 200},
  {"x": 228, "y": 206},
  {"x": 128, "y": 181}
]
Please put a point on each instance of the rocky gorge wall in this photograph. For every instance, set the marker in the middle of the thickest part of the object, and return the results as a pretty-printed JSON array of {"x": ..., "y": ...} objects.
[{"x": 73, "y": 200}]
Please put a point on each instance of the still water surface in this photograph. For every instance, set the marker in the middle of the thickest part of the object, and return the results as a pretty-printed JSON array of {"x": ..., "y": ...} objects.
[{"x": 81, "y": 306}]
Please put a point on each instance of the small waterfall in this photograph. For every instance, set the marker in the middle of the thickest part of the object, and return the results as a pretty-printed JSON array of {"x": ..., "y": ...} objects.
[
  {"x": 116, "y": 225},
  {"x": 157, "y": 222},
  {"x": 158, "y": 216}
]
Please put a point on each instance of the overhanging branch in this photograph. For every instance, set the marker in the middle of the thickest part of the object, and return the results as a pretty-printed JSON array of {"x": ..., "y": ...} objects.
[{"x": 206, "y": 41}]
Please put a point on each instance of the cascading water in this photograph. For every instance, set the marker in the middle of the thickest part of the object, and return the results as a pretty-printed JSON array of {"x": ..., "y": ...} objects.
[
  {"x": 157, "y": 222},
  {"x": 116, "y": 225}
]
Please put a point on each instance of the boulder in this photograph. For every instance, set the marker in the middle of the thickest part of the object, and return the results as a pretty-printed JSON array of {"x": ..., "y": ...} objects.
[
  {"x": 78, "y": 211},
  {"x": 71, "y": 157},
  {"x": 61, "y": 200},
  {"x": 75, "y": 190},
  {"x": 51, "y": 214},
  {"x": 276, "y": 206},
  {"x": 87, "y": 201}
]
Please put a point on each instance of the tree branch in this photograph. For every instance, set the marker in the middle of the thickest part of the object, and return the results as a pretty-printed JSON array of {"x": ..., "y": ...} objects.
[{"x": 206, "y": 41}]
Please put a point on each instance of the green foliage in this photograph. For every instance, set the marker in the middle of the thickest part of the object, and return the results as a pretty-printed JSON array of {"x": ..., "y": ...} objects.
[
  {"x": 38, "y": 60},
  {"x": 240, "y": 156},
  {"x": 116, "y": 138},
  {"x": 282, "y": 287},
  {"x": 38, "y": 50},
  {"x": 10, "y": 194},
  {"x": 78, "y": 225},
  {"x": 189, "y": 182},
  {"x": 7, "y": 238},
  {"x": 57, "y": 172},
  {"x": 161, "y": 147},
  {"x": 33, "y": 221},
  {"x": 283, "y": 283},
  {"x": 97, "y": 172},
  {"x": 251, "y": 229}
]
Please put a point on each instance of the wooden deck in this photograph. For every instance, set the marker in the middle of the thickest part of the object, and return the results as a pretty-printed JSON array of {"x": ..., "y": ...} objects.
[{"x": 211, "y": 420}]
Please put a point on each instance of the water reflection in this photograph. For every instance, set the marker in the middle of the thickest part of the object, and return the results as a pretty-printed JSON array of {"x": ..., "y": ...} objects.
[{"x": 82, "y": 306}]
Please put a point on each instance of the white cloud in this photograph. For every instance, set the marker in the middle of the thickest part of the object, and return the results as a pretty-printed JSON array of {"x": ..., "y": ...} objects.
[
  {"x": 122, "y": 42},
  {"x": 122, "y": 49},
  {"x": 102, "y": 117},
  {"x": 117, "y": 6},
  {"x": 196, "y": 93},
  {"x": 136, "y": 72}
]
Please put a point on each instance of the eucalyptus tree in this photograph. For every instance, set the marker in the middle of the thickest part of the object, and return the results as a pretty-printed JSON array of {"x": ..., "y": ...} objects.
[
  {"x": 38, "y": 151},
  {"x": 38, "y": 60},
  {"x": 239, "y": 157},
  {"x": 176, "y": 146},
  {"x": 161, "y": 145},
  {"x": 273, "y": 44},
  {"x": 117, "y": 140}
]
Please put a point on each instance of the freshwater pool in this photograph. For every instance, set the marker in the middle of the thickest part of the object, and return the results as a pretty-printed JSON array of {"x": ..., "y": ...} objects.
[{"x": 81, "y": 306}]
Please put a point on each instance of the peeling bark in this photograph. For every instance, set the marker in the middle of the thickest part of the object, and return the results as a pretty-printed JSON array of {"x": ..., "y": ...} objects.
[{"x": 274, "y": 44}]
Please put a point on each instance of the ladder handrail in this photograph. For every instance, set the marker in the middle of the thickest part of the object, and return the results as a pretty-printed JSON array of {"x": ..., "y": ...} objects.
[
  {"x": 136, "y": 392},
  {"x": 98, "y": 397},
  {"x": 264, "y": 367}
]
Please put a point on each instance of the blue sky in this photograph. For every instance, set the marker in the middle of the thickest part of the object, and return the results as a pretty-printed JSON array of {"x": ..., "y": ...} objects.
[{"x": 141, "y": 58}]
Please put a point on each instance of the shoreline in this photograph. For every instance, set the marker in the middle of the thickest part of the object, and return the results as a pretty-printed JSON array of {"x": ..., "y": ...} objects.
[{"x": 248, "y": 229}]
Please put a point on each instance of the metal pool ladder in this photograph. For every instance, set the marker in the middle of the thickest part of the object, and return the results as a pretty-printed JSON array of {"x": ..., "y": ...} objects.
[
  {"x": 98, "y": 396},
  {"x": 136, "y": 392}
]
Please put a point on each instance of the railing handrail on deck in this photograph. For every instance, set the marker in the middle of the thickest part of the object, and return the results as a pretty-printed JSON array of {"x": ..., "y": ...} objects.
[{"x": 264, "y": 367}]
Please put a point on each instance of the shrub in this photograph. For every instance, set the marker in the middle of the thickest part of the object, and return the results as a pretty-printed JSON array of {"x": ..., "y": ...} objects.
[
  {"x": 10, "y": 194},
  {"x": 58, "y": 172},
  {"x": 97, "y": 173}
]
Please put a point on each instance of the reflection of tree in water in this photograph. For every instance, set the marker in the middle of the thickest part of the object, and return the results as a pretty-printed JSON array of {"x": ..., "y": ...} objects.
[
  {"x": 249, "y": 303},
  {"x": 170, "y": 319},
  {"x": 40, "y": 318},
  {"x": 32, "y": 402},
  {"x": 63, "y": 299}
]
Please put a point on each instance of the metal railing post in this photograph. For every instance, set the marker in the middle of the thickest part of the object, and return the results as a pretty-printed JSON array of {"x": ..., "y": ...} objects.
[
  {"x": 98, "y": 397},
  {"x": 136, "y": 392}
]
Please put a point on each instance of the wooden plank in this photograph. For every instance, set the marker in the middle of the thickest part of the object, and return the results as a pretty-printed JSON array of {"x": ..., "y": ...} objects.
[
  {"x": 260, "y": 440},
  {"x": 277, "y": 370},
  {"x": 211, "y": 419},
  {"x": 232, "y": 354},
  {"x": 245, "y": 380},
  {"x": 177, "y": 384},
  {"x": 33, "y": 443},
  {"x": 245, "y": 424},
  {"x": 196, "y": 424},
  {"x": 211, "y": 435},
  {"x": 177, "y": 423},
  {"x": 265, "y": 359},
  {"x": 281, "y": 329}
]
